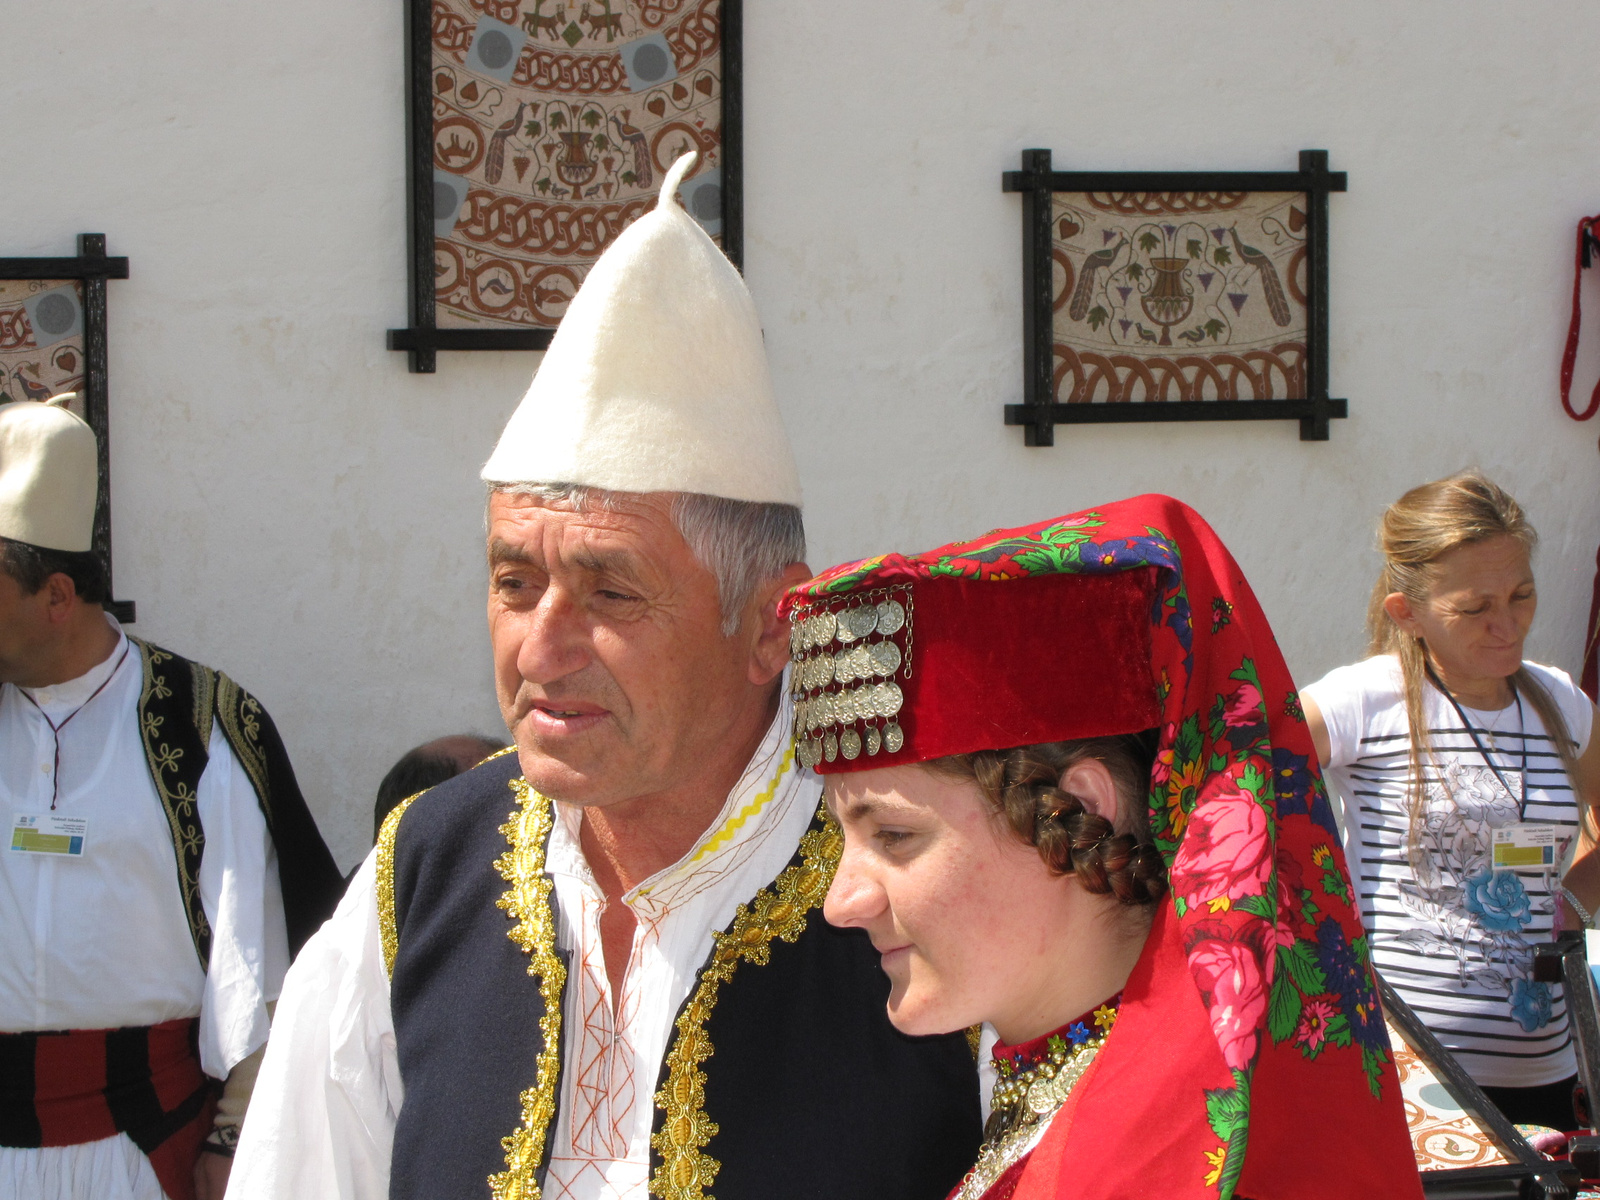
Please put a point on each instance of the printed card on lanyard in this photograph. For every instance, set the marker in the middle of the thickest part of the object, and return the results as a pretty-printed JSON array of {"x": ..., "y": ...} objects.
[
  {"x": 50, "y": 833},
  {"x": 1526, "y": 845}
]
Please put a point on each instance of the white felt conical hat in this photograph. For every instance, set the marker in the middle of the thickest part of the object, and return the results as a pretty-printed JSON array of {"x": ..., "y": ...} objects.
[
  {"x": 657, "y": 379},
  {"x": 49, "y": 476}
]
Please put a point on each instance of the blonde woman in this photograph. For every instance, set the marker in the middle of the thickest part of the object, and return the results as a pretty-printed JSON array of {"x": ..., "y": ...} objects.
[{"x": 1465, "y": 771}]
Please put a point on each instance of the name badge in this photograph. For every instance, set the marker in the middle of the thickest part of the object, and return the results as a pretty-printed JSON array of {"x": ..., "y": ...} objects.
[
  {"x": 1524, "y": 845},
  {"x": 50, "y": 833}
]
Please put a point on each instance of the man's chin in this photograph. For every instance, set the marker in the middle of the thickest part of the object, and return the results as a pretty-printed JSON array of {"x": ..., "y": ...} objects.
[{"x": 570, "y": 780}]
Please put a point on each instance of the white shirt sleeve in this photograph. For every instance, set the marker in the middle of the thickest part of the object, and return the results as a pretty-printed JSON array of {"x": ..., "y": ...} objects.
[
  {"x": 1340, "y": 697},
  {"x": 321, "y": 1121},
  {"x": 1576, "y": 708},
  {"x": 243, "y": 900}
]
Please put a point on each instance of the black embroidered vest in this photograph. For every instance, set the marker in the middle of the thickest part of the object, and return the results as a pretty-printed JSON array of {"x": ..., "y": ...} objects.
[
  {"x": 783, "y": 1079},
  {"x": 178, "y": 703}
]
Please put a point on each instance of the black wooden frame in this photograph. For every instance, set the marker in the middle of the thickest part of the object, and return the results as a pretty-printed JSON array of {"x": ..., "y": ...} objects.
[
  {"x": 1037, "y": 181},
  {"x": 423, "y": 339},
  {"x": 93, "y": 268}
]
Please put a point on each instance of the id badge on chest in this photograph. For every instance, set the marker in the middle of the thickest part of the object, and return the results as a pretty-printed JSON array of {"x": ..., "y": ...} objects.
[
  {"x": 1525, "y": 845},
  {"x": 50, "y": 833}
]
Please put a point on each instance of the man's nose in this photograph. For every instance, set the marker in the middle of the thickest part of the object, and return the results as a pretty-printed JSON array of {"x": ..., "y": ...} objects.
[
  {"x": 555, "y": 639},
  {"x": 855, "y": 897}
]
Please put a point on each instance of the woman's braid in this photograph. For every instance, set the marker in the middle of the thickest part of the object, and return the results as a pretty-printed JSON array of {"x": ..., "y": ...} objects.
[{"x": 1024, "y": 785}]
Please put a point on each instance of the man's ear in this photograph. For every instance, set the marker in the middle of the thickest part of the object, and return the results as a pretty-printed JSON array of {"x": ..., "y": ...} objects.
[
  {"x": 769, "y": 648},
  {"x": 1090, "y": 781},
  {"x": 61, "y": 597},
  {"x": 1399, "y": 610}
]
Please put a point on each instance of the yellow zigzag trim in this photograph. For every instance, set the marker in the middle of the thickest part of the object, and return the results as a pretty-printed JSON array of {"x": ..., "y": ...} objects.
[{"x": 737, "y": 822}]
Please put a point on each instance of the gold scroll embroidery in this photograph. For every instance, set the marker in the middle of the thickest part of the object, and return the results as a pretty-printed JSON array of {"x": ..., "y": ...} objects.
[
  {"x": 527, "y": 901},
  {"x": 386, "y": 922},
  {"x": 777, "y": 911}
]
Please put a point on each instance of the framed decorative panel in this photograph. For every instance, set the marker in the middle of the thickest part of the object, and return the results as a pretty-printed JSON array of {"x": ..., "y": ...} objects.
[
  {"x": 1174, "y": 296},
  {"x": 538, "y": 130},
  {"x": 53, "y": 340}
]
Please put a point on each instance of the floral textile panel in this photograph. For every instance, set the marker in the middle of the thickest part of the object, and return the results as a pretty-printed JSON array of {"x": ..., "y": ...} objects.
[
  {"x": 41, "y": 339},
  {"x": 1171, "y": 296},
  {"x": 554, "y": 122}
]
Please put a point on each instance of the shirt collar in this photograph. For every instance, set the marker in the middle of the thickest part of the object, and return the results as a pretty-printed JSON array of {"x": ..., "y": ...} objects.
[
  {"x": 60, "y": 698},
  {"x": 752, "y": 808}
]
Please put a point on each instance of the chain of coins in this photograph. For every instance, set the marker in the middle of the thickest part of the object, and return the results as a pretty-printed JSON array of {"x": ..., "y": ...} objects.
[
  {"x": 830, "y": 648},
  {"x": 1022, "y": 1102}
]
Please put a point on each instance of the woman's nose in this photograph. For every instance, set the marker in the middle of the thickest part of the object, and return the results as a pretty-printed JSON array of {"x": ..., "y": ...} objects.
[{"x": 854, "y": 897}]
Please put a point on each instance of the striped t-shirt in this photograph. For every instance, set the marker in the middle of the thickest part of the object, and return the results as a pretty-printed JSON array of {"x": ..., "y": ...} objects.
[{"x": 1452, "y": 935}]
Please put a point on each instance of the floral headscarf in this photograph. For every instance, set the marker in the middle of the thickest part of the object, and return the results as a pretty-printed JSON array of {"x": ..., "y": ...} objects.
[{"x": 1250, "y": 1056}]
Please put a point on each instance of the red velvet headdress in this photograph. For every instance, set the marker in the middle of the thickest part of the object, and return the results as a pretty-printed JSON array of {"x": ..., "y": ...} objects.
[{"x": 1250, "y": 1056}]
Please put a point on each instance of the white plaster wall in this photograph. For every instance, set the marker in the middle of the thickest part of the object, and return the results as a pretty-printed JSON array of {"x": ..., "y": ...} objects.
[{"x": 295, "y": 508}]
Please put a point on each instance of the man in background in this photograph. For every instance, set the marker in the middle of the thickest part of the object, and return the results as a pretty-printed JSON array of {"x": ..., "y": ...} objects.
[
  {"x": 161, "y": 865},
  {"x": 431, "y": 763}
]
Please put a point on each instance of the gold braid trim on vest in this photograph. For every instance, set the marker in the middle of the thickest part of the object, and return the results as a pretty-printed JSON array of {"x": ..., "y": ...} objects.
[
  {"x": 386, "y": 923},
  {"x": 527, "y": 902},
  {"x": 387, "y": 833},
  {"x": 779, "y": 910},
  {"x": 165, "y": 751}
]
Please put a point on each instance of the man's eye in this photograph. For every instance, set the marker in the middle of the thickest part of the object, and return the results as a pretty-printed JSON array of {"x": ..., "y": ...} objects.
[{"x": 607, "y": 594}]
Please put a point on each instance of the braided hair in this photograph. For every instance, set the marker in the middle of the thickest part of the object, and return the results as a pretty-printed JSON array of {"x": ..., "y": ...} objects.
[{"x": 1024, "y": 786}]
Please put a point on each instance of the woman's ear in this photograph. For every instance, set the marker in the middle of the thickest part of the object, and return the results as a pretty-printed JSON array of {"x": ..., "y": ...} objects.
[
  {"x": 1399, "y": 610},
  {"x": 1090, "y": 781}
]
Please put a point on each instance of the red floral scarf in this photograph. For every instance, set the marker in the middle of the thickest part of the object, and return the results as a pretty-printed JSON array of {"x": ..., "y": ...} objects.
[{"x": 1250, "y": 1057}]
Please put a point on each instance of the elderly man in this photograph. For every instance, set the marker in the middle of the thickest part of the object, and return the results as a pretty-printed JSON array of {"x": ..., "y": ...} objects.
[
  {"x": 161, "y": 865},
  {"x": 597, "y": 967}
]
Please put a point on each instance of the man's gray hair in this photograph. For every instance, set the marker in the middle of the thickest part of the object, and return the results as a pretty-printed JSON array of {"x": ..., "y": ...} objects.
[{"x": 744, "y": 544}]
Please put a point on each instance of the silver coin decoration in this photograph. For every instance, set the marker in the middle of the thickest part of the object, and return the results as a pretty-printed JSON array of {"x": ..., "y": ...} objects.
[
  {"x": 874, "y": 740},
  {"x": 885, "y": 658},
  {"x": 891, "y": 617},
  {"x": 850, "y": 745},
  {"x": 827, "y": 624},
  {"x": 893, "y": 737},
  {"x": 864, "y": 620},
  {"x": 893, "y": 699},
  {"x": 842, "y": 666},
  {"x": 794, "y": 641},
  {"x": 830, "y": 748},
  {"x": 844, "y": 708}
]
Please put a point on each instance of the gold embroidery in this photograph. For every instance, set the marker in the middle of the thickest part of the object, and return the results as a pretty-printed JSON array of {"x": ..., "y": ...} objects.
[
  {"x": 974, "y": 1040},
  {"x": 386, "y": 923},
  {"x": 188, "y": 838},
  {"x": 777, "y": 911},
  {"x": 527, "y": 901}
]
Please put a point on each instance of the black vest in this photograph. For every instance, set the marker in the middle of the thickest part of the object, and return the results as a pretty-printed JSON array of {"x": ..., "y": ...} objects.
[
  {"x": 179, "y": 701},
  {"x": 807, "y": 1090}
]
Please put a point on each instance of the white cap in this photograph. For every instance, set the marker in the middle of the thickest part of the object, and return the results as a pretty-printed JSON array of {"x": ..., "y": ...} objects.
[
  {"x": 656, "y": 380},
  {"x": 49, "y": 475}
]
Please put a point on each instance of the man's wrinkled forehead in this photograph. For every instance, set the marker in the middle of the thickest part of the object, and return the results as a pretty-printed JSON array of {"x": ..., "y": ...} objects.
[{"x": 629, "y": 535}]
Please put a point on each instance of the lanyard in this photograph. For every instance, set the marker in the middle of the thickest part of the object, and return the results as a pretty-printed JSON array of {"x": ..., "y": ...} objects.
[
  {"x": 1472, "y": 732},
  {"x": 55, "y": 730}
]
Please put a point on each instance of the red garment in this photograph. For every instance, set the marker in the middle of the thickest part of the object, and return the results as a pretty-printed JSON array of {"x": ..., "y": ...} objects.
[
  {"x": 1251, "y": 1057},
  {"x": 80, "y": 1085}
]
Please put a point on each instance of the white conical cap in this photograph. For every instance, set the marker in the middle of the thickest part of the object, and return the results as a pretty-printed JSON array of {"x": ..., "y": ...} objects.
[
  {"x": 656, "y": 380},
  {"x": 49, "y": 476}
]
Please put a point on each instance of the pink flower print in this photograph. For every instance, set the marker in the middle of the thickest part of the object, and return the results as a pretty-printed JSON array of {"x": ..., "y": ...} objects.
[
  {"x": 1243, "y": 707},
  {"x": 1313, "y": 1027},
  {"x": 1232, "y": 986},
  {"x": 1227, "y": 852}
]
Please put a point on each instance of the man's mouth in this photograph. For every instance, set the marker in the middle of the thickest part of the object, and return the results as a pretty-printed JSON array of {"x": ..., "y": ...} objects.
[{"x": 558, "y": 717}]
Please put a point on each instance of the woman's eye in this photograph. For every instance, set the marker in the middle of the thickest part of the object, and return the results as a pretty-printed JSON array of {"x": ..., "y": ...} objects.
[{"x": 891, "y": 837}]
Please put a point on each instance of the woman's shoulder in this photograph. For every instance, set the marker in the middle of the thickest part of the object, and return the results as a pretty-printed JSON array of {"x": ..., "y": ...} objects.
[
  {"x": 1556, "y": 681},
  {"x": 1372, "y": 680}
]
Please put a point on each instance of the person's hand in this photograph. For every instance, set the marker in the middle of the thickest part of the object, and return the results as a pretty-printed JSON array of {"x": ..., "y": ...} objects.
[{"x": 211, "y": 1176}]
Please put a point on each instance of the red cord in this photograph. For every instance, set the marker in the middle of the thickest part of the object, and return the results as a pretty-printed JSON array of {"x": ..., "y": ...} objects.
[{"x": 1588, "y": 227}]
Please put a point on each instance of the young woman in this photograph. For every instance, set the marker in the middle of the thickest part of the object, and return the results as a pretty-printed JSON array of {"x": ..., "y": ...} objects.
[
  {"x": 1465, "y": 769},
  {"x": 1078, "y": 805}
]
